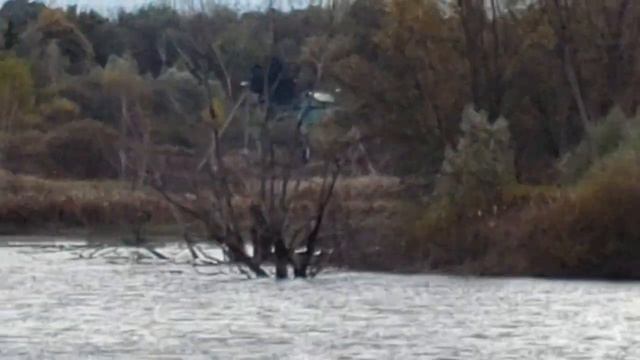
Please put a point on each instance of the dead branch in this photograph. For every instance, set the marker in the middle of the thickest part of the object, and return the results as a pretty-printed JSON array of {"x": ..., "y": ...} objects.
[
  {"x": 218, "y": 56},
  {"x": 326, "y": 194},
  {"x": 156, "y": 253},
  {"x": 186, "y": 209},
  {"x": 227, "y": 121}
]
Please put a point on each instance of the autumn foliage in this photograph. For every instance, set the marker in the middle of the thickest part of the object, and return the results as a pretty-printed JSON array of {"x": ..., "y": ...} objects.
[{"x": 517, "y": 119}]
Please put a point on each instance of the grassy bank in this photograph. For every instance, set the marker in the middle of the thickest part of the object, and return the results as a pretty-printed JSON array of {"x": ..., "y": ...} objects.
[
  {"x": 28, "y": 203},
  {"x": 34, "y": 205},
  {"x": 583, "y": 229}
]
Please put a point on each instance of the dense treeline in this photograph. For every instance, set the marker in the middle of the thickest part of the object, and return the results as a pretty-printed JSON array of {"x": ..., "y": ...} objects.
[
  {"x": 480, "y": 98},
  {"x": 407, "y": 68}
]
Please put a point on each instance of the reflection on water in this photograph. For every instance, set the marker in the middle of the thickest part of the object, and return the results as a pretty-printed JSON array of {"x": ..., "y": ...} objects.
[{"x": 53, "y": 305}]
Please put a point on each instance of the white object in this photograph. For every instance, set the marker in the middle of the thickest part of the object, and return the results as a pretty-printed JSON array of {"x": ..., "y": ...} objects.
[{"x": 323, "y": 97}]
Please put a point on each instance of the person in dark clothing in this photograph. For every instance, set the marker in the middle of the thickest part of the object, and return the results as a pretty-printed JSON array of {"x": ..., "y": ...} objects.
[
  {"x": 256, "y": 84},
  {"x": 285, "y": 92},
  {"x": 276, "y": 70},
  {"x": 281, "y": 85}
]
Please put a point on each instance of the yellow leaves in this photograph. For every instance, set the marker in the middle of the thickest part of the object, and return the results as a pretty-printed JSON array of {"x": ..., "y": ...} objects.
[
  {"x": 410, "y": 18},
  {"x": 51, "y": 20},
  {"x": 218, "y": 112},
  {"x": 16, "y": 81},
  {"x": 16, "y": 91},
  {"x": 53, "y": 24},
  {"x": 218, "y": 107}
]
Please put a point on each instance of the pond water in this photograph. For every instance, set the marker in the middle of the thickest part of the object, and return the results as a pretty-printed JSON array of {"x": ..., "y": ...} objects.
[{"x": 54, "y": 305}]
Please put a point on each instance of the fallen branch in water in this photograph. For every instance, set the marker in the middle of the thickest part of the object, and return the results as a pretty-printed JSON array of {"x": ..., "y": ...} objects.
[{"x": 156, "y": 253}]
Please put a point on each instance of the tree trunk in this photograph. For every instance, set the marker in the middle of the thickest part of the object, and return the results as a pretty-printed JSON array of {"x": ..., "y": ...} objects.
[
  {"x": 241, "y": 257},
  {"x": 301, "y": 267},
  {"x": 300, "y": 272},
  {"x": 282, "y": 269},
  {"x": 576, "y": 90},
  {"x": 562, "y": 28},
  {"x": 472, "y": 49},
  {"x": 123, "y": 138}
]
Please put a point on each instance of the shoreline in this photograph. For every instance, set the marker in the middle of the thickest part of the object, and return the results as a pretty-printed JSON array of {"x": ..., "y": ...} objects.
[
  {"x": 373, "y": 228},
  {"x": 82, "y": 238}
]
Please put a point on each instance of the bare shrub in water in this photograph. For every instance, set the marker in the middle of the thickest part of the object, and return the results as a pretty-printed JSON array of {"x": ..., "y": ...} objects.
[{"x": 270, "y": 197}]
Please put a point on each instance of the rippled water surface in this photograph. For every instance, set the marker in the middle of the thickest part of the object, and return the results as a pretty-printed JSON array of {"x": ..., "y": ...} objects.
[{"x": 53, "y": 305}]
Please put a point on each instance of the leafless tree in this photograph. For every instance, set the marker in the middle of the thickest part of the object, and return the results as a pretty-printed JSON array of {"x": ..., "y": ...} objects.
[
  {"x": 562, "y": 19},
  {"x": 258, "y": 211},
  {"x": 270, "y": 209}
]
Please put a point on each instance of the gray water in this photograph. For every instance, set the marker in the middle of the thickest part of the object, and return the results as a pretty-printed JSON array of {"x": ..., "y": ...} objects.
[{"x": 56, "y": 306}]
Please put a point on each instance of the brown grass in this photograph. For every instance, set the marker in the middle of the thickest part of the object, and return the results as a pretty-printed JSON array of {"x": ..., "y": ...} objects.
[
  {"x": 31, "y": 202},
  {"x": 589, "y": 229},
  {"x": 27, "y": 201}
]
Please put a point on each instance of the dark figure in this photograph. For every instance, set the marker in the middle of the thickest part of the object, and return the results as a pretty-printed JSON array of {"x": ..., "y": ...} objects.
[
  {"x": 276, "y": 70},
  {"x": 285, "y": 92},
  {"x": 281, "y": 86},
  {"x": 257, "y": 80}
]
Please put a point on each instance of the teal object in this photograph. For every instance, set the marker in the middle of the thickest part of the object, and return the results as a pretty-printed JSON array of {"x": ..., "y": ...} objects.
[{"x": 312, "y": 113}]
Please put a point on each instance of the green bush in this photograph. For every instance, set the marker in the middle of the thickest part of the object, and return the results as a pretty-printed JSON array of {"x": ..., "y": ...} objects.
[
  {"x": 602, "y": 139},
  {"x": 481, "y": 164},
  {"x": 470, "y": 189}
]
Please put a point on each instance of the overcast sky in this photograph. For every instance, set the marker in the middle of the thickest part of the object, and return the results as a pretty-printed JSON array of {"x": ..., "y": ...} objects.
[
  {"x": 103, "y": 4},
  {"x": 110, "y": 5}
]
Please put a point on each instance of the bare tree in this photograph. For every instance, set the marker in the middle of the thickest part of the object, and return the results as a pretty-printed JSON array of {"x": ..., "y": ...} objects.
[
  {"x": 271, "y": 209},
  {"x": 120, "y": 78},
  {"x": 561, "y": 17},
  {"x": 268, "y": 199}
]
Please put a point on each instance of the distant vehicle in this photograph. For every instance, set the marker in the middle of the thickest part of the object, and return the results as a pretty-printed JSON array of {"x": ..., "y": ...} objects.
[
  {"x": 304, "y": 110},
  {"x": 315, "y": 107}
]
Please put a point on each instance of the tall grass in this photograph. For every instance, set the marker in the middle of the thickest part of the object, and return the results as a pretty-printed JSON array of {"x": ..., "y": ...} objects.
[{"x": 27, "y": 201}]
